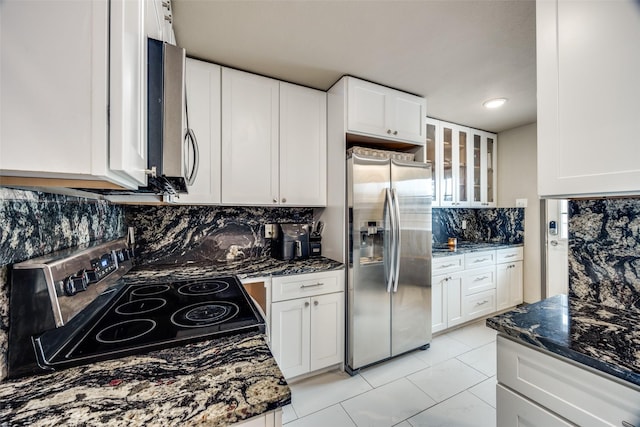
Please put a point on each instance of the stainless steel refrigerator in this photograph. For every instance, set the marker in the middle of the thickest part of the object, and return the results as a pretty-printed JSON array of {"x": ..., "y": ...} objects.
[{"x": 389, "y": 278}]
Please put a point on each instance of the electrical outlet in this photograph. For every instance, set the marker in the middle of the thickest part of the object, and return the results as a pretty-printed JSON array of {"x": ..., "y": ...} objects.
[
  {"x": 464, "y": 224},
  {"x": 269, "y": 231},
  {"x": 521, "y": 203}
]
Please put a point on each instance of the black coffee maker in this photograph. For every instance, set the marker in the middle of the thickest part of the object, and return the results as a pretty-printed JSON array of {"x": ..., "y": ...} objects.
[{"x": 291, "y": 242}]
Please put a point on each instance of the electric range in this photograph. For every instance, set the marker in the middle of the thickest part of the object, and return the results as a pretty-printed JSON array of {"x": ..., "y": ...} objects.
[{"x": 67, "y": 317}]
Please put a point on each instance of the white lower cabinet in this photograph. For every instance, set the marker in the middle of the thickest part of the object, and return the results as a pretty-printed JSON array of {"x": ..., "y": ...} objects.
[
  {"x": 466, "y": 287},
  {"x": 509, "y": 275},
  {"x": 307, "y": 322},
  {"x": 550, "y": 390},
  {"x": 446, "y": 301}
]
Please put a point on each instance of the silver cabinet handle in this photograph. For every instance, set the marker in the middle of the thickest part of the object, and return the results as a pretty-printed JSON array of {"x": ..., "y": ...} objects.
[
  {"x": 481, "y": 260},
  {"x": 311, "y": 286},
  {"x": 626, "y": 424},
  {"x": 510, "y": 256},
  {"x": 306, "y": 303},
  {"x": 284, "y": 200},
  {"x": 479, "y": 279},
  {"x": 554, "y": 243},
  {"x": 275, "y": 200},
  {"x": 447, "y": 265},
  {"x": 482, "y": 303},
  {"x": 395, "y": 132},
  {"x": 315, "y": 303},
  {"x": 389, "y": 131}
]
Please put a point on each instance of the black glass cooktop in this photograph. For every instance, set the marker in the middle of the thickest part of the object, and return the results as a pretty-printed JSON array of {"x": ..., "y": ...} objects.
[{"x": 159, "y": 315}]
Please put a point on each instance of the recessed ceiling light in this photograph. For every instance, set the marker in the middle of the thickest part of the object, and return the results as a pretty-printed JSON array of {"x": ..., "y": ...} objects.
[{"x": 494, "y": 103}]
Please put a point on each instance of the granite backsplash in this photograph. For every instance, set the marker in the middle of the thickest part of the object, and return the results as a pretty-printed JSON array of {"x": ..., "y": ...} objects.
[
  {"x": 500, "y": 225},
  {"x": 604, "y": 251},
  {"x": 180, "y": 234},
  {"x": 33, "y": 224}
]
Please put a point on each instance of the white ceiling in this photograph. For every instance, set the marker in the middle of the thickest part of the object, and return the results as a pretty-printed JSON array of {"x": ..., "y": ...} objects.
[{"x": 455, "y": 53}]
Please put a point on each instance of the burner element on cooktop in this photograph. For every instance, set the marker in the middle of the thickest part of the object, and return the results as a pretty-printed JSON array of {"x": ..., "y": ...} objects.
[
  {"x": 203, "y": 288},
  {"x": 141, "y": 306},
  {"x": 125, "y": 331},
  {"x": 146, "y": 291},
  {"x": 204, "y": 314}
]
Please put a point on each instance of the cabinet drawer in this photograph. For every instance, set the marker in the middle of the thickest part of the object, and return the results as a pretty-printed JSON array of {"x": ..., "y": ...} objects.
[
  {"x": 478, "y": 280},
  {"x": 447, "y": 264},
  {"x": 574, "y": 393},
  {"x": 515, "y": 410},
  {"x": 479, "y": 259},
  {"x": 479, "y": 304},
  {"x": 303, "y": 285},
  {"x": 510, "y": 254}
]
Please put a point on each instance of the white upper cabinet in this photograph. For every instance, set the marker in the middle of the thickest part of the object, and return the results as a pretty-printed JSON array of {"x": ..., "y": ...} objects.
[
  {"x": 203, "y": 105},
  {"x": 159, "y": 20},
  {"x": 274, "y": 142},
  {"x": 250, "y": 123},
  {"x": 454, "y": 165},
  {"x": 483, "y": 146},
  {"x": 381, "y": 112},
  {"x": 74, "y": 109},
  {"x": 303, "y": 146},
  {"x": 431, "y": 153},
  {"x": 588, "y": 63}
]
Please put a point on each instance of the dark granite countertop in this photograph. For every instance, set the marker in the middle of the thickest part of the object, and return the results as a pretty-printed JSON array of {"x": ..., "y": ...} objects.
[
  {"x": 254, "y": 267},
  {"x": 442, "y": 249},
  {"x": 213, "y": 383},
  {"x": 603, "y": 338}
]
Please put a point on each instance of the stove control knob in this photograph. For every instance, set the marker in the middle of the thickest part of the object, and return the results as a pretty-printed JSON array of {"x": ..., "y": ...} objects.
[
  {"x": 75, "y": 284},
  {"x": 91, "y": 276},
  {"x": 70, "y": 287}
]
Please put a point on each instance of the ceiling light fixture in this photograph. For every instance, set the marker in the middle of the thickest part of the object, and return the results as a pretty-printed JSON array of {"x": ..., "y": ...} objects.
[{"x": 494, "y": 103}]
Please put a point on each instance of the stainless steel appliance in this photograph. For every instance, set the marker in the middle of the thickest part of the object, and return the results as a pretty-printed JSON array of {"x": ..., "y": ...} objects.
[
  {"x": 172, "y": 152},
  {"x": 74, "y": 307},
  {"x": 389, "y": 277},
  {"x": 292, "y": 242}
]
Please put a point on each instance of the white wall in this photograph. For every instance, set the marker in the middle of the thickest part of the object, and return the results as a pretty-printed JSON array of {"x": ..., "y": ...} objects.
[{"x": 518, "y": 179}]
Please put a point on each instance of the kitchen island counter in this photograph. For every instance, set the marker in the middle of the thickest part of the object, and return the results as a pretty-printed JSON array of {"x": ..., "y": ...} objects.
[
  {"x": 211, "y": 383},
  {"x": 603, "y": 338}
]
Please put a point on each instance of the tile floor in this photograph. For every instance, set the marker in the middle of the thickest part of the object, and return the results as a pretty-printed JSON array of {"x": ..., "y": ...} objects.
[{"x": 450, "y": 384}]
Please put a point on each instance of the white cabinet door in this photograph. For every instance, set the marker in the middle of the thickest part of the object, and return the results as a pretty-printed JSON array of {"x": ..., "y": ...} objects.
[
  {"x": 303, "y": 146},
  {"x": 453, "y": 165},
  {"x": 588, "y": 97},
  {"x": 478, "y": 305},
  {"x": 438, "y": 303},
  {"x": 483, "y": 169},
  {"x": 250, "y": 120},
  {"x": 455, "y": 308},
  {"x": 127, "y": 90},
  {"x": 383, "y": 112},
  {"x": 408, "y": 113},
  {"x": 433, "y": 156},
  {"x": 290, "y": 335},
  {"x": 203, "y": 104},
  {"x": 327, "y": 330},
  {"x": 509, "y": 291}
]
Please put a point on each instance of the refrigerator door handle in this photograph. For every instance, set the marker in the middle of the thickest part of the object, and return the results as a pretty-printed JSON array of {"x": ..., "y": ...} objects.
[
  {"x": 397, "y": 239},
  {"x": 390, "y": 243}
]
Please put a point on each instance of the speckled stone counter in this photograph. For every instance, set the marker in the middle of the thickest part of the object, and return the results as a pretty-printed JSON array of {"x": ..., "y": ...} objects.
[
  {"x": 440, "y": 250},
  {"x": 261, "y": 267},
  {"x": 212, "y": 383},
  {"x": 603, "y": 338}
]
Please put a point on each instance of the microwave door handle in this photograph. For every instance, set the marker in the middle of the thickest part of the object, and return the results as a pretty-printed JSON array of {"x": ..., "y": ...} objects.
[
  {"x": 389, "y": 255},
  {"x": 397, "y": 240},
  {"x": 191, "y": 137}
]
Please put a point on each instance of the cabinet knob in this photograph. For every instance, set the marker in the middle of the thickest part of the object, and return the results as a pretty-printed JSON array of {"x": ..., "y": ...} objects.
[
  {"x": 306, "y": 304},
  {"x": 389, "y": 131},
  {"x": 315, "y": 303},
  {"x": 284, "y": 200},
  {"x": 275, "y": 200},
  {"x": 395, "y": 132}
]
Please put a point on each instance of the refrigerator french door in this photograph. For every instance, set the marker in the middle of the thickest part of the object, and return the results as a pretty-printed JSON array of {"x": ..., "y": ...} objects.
[{"x": 389, "y": 280}]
